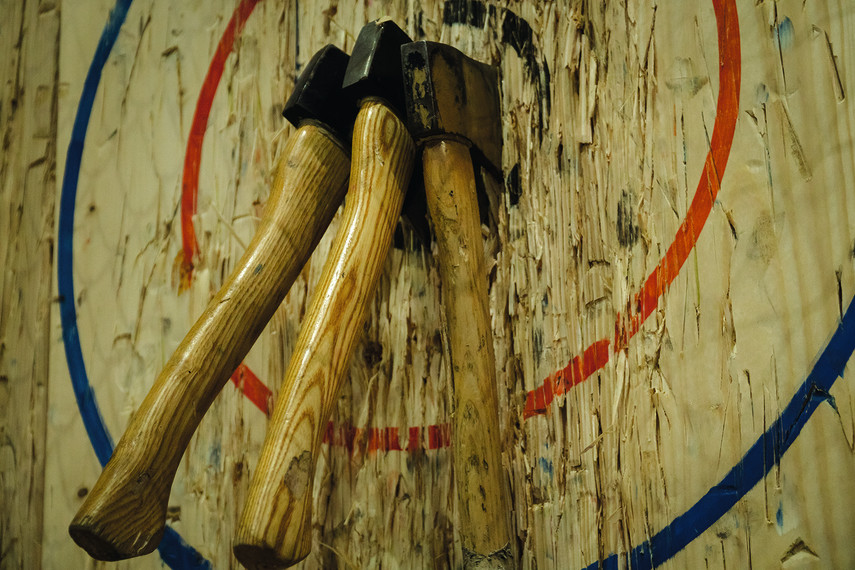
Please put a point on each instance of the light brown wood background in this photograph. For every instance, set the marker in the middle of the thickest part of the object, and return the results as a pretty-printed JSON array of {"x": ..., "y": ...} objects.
[{"x": 607, "y": 151}]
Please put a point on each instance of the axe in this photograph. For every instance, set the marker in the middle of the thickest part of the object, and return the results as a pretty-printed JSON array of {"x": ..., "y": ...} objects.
[
  {"x": 454, "y": 113},
  {"x": 124, "y": 514},
  {"x": 275, "y": 529}
]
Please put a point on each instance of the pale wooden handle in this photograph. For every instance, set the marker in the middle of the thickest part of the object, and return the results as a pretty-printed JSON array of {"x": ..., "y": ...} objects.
[
  {"x": 478, "y": 472},
  {"x": 276, "y": 526},
  {"x": 125, "y": 512}
]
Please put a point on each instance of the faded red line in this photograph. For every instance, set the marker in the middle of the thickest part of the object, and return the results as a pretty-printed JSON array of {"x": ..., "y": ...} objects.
[
  {"x": 373, "y": 440},
  {"x": 253, "y": 388},
  {"x": 597, "y": 355},
  {"x": 193, "y": 155}
]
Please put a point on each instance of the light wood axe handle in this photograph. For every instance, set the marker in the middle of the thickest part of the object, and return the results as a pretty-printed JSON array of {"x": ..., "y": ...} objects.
[
  {"x": 275, "y": 529},
  {"x": 124, "y": 513},
  {"x": 478, "y": 472}
]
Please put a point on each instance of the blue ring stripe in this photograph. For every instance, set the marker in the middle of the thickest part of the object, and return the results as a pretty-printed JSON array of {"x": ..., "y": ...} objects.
[
  {"x": 763, "y": 455},
  {"x": 101, "y": 440},
  {"x": 173, "y": 550}
]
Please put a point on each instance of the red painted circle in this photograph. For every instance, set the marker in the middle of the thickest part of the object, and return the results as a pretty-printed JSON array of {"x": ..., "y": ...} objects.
[{"x": 595, "y": 356}]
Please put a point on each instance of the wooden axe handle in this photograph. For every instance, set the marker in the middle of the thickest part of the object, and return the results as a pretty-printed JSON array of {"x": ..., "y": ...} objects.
[
  {"x": 275, "y": 529},
  {"x": 124, "y": 513},
  {"x": 478, "y": 472}
]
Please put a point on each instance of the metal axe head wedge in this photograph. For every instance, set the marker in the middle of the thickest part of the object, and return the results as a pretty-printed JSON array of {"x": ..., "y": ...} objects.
[
  {"x": 450, "y": 95},
  {"x": 375, "y": 65},
  {"x": 318, "y": 95}
]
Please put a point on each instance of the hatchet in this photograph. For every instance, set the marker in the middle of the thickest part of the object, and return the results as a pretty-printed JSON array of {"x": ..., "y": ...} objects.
[
  {"x": 454, "y": 113},
  {"x": 124, "y": 514},
  {"x": 275, "y": 529}
]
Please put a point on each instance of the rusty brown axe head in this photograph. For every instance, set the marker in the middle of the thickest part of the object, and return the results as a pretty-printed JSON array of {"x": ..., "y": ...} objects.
[{"x": 451, "y": 96}]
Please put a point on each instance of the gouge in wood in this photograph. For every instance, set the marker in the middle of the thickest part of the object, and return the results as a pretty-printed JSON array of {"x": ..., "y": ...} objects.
[
  {"x": 452, "y": 109},
  {"x": 275, "y": 528},
  {"x": 125, "y": 512}
]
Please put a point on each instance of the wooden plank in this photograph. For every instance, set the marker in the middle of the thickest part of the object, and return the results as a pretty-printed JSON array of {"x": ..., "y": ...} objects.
[
  {"x": 29, "y": 36},
  {"x": 612, "y": 427}
]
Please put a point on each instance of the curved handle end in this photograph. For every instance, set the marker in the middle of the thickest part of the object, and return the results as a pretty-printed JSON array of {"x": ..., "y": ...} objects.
[
  {"x": 261, "y": 553},
  {"x": 102, "y": 544},
  {"x": 263, "y": 557},
  {"x": 124, "y": 515}
]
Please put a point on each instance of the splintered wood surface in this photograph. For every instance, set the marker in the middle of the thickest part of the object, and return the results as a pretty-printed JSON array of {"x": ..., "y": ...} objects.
[
  {"x": 671, "y": 269},
  {"x": 29, "y": 42}
]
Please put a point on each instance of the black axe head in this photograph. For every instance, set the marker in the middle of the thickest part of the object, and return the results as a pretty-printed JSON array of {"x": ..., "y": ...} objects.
[
  {"x": 375, "y": 64},
  {"x": 319, "y": 96}
]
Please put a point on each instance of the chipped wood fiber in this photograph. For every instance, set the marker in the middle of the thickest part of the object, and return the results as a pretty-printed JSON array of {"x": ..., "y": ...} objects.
[{"x": 607, "y": 118}]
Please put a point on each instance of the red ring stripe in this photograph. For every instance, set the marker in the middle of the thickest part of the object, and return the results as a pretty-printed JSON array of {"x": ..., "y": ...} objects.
[
  {"x": 193, "y": 156},
  {"x": 597, "y": 355},
  {"x": 253, "y": 388}
]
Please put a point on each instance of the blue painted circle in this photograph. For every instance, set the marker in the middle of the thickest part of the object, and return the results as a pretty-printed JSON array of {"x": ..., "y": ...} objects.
[{"x": 173, "y": 550}]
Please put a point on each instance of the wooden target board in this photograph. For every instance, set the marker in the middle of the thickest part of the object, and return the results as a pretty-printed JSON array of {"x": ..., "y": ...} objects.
[{"x": 671, "y": 258}]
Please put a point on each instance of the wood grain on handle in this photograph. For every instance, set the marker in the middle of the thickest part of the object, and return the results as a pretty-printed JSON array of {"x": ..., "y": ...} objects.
[
  {"x": 478, "y": 473},
  {"x": 276, "y": 526},
  {"x": 125, "y": 513}
]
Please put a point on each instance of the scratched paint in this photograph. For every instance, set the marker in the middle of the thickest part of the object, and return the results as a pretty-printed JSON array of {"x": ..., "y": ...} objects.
[
  {"x": 173, "y": 550},
  {"x": 547, "y": 466},
  {"x": 765, "y": 454},
  {"x": 785, "y": 34}
]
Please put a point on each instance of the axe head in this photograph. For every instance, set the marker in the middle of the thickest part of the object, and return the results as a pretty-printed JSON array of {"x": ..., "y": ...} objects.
[
  {"x": 375, "y": 71},
  {"x": 375, "y": 64},
  {"x": 449, "y": 95},
  {"x": 318, "y": 94}
]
